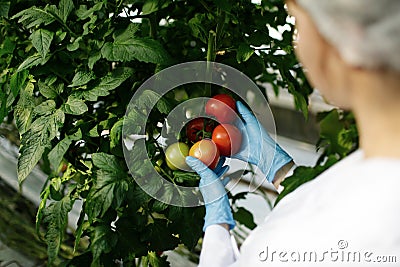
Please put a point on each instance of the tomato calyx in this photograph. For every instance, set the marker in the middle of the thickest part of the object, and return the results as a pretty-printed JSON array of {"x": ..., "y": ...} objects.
[{"x": 199, "y": 128}]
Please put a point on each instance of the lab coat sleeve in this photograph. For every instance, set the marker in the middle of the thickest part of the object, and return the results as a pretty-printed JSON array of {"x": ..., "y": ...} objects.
[{"x": 218, "y": 248}]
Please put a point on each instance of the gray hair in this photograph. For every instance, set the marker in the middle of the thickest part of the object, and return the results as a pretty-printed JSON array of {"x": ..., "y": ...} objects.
[{"x": 366, "y": 33}]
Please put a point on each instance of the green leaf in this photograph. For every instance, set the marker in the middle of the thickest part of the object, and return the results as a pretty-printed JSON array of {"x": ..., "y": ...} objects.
[
  {"x": 183, "y": 218},
  {"x": 7, "y": 47},
  {"x": 24, "y": 108},
  {"x": 148, "y": 99},
  {"x": 127, "y": 34},
  {"x": 333, "y": 131},
  {"x": 41, "y": 40},
  {"x": 17, "y": 81},
  {"x": 149, "y": 7},
  {"x": 54, "y": 122},
  {"x": 134, "y": 121},
  {"x": 33, "y": 17},
  {"x": 93, "y": 59},
  {"x": 45, "y": 107},
  {"x": 164, "y": 106},
  {"x": 89, "y": 26},
  {"x": 109, "y": 189},
  {"x": 244, "y": 217},
  {"x": 108, "y": 83},
  {"x": 82, "y": 225},
  {"x": 3, "y": 106},
  {"x": 103, "y": 240},
  {"x": 60, "y": 36},
  {"x": 64, "y": 9},
  {"x": 116, "y": 138},
  {"x": 57, "y": 153},
  {"x": 75, "y": 45},
  {"x": 32, "y": 61},
  {"x": 196, "y": 24},
  {"x": 84, "y": 13},
  {"x": 127, "y": 47},
  {"x": 260, "y": 37},
  {"x": 39, "y": 215},
  {"x": 137, "y": 197},
  {"x": 49, "y": 91},
  {"x": 4, "y": 9},
  {"x": 157, "y": 261},
  {"x": 106, "y": 162},
  {"x": 74, "y": 106},
  {"x": 56, "y": 218},
  {"x": 82, "y": 78},
  {"x": 244, "y": 52},
  {"x": 31, "y": 150},
  {"x": 36, "y": 140},
  {"x": 301, "y": 103},
  {"x": 225, "y": 5},
  {"x": 159, "y": 236}
]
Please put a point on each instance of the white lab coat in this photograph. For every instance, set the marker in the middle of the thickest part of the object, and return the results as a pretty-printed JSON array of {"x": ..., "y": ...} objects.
[{"x": 348, "y": 216}]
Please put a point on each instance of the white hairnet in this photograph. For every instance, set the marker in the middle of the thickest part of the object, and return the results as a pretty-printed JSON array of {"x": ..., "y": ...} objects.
[{"x": 366, "y": 33}]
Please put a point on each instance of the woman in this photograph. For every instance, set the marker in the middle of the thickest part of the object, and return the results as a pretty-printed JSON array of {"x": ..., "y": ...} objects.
[{"x": 349, "y": 215}]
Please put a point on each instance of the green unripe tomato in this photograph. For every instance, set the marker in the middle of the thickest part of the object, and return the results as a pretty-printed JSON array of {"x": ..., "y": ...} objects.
[{"x": 175, "y": 156}]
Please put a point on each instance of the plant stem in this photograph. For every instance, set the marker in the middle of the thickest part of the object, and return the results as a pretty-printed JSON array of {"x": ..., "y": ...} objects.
[
  {"x": 205, "y": 6},
  {"x": 220, "y": 25},
  {"x": 212, "y": 37},
  {"x": 211, "y": 54},
  {"x": 153, "y": 26}
]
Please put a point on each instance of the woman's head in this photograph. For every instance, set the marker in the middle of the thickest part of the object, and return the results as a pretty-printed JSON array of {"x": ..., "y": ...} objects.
[
  {"x": 366, "y": 33},
  {"x": 336, "y": 36}
]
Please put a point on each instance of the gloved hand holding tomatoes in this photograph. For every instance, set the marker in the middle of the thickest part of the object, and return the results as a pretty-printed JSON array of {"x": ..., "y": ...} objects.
[
  {"x": 258, "y": 147},
  {"x": 218, "y": 209},
  {"x": 241, "y": 138},
  {"x": 245, "y": 139}
]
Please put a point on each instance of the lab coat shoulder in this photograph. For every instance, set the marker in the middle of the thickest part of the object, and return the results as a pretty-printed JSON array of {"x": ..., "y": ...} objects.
[{"x": 355, "y": 203}]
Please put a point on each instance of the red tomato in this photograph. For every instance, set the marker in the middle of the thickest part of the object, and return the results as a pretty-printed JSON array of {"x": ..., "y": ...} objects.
[
  {"x": 206, "y": 151},
  {"x": 228, "y": 139},
  {"x": 222, "y": 107},
  {"x": 199, "y": 128}
]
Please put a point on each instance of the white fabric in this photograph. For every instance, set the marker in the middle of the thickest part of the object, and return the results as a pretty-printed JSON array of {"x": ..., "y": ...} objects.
[
  {"x": 365, "y": 32},
  {"x": 218, "y": 241},
  {"x": 352, "y": 209}
]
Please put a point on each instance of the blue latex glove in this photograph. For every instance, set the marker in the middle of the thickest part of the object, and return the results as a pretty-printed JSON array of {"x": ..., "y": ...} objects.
[
  {"x": 218, "y": 209},
  {"x": 258, "y": 147}
]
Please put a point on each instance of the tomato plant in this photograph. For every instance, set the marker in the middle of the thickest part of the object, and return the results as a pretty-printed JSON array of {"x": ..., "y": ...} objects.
[
  {"x": 222, "y": 107},
  {"x": 68, "y": 71},
  {"x": 206, "y": 151},
  {"x": 228, "y": 139}
]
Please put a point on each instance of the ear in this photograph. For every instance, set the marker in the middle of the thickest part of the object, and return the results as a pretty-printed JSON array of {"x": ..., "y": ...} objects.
[{"x": 311, "y": 48}]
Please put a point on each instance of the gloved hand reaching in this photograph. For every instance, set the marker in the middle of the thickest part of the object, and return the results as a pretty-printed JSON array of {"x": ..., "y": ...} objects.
[
  {"x": 218, "y": 209},
  {"x": 258, "y": 147}
]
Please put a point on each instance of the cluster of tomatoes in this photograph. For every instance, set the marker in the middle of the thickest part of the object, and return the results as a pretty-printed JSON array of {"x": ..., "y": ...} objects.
[{"x": 210, "y": 138}]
